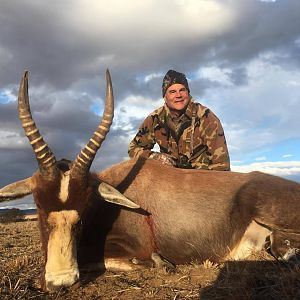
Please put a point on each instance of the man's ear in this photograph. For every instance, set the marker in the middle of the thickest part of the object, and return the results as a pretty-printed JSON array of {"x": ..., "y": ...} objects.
[
  {"x": 16, "y": 190},
  {"x": 112, "y": 195}
]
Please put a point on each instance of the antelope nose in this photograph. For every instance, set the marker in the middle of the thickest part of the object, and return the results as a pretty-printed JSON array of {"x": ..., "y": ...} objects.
[{"x": 55, "y": 281}]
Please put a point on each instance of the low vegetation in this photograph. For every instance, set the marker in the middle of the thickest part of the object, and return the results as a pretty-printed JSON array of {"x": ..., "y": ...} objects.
[
  {"x": 11, "y": 215},
  {"x": 258, "y": 278}
]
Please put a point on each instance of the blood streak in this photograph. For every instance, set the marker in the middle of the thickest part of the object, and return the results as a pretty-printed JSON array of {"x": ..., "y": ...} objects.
[{"x": 151, "y": 225}]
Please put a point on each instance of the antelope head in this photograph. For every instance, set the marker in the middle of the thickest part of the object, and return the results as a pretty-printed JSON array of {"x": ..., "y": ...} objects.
[{"x": 61, "y": 191}]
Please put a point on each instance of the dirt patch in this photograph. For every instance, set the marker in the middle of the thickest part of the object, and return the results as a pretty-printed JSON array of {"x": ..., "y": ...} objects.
[{"x": 261, "y": 277}]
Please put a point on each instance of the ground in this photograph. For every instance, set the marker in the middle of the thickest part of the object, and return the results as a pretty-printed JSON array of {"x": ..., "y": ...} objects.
[{"x": 261, "y": 277}]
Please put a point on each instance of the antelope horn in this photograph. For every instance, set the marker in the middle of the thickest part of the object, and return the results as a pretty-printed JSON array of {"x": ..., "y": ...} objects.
[
  {"x": 82, "y": 163},
  {"x": 43, "y": 154}
]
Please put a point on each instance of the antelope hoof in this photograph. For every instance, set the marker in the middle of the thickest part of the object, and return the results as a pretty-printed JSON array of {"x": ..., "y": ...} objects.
[{"x": 161, "y": 262}]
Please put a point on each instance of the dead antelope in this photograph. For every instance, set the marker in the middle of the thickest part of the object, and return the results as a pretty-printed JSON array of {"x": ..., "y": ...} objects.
[{"x": 139, "y": 211}]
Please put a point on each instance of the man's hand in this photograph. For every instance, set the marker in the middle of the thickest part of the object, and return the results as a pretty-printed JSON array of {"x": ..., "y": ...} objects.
[{"x": 163, "y": 158}]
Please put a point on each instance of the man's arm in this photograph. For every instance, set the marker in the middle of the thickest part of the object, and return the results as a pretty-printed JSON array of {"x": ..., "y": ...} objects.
[
  {"x": 216, "y": 143},
  {"x": 144, "y": 140}
]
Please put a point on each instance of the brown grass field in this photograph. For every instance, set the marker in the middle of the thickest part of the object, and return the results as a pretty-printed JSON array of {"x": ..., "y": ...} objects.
[{"x": 257, "y": 278}]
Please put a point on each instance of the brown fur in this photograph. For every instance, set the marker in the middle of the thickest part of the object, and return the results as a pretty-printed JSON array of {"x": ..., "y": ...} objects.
[
  {"x": 202, "y": 213},
  {"x": 184, "y": 214}
]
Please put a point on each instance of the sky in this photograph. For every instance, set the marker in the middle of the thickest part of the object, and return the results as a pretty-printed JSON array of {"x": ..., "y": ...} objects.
[{"x": 241, "y": 58}]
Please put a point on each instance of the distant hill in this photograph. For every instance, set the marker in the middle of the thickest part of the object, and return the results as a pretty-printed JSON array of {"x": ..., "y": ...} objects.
[{"x": 21, "y": 211}]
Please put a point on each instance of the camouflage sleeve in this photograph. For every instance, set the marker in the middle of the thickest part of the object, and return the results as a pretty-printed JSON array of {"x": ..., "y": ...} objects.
[
  {"x": 216, "y": 143},
  {"x": 144, "y": 140}
]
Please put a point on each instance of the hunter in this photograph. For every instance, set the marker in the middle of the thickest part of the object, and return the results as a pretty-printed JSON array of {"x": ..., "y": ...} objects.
[{"x": 189, "y": 134}]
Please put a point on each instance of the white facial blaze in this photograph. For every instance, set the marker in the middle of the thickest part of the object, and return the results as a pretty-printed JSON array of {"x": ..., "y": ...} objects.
[
  {"x": 61, "y": 267},
  {"x": 64, "y": 187}
]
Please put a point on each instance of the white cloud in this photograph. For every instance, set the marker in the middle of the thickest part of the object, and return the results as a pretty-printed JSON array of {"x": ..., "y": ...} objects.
[
  {"x": 280, "y": 168},
  {"x": 293, "y": 83},
  {"x": 151, "y": 76},
  {"x": 260, "y": 158},
  {"x": 134, "y": 107},
  {"x": 216, "y": 74},
  {"x": 287, "y": 155},
  {"x": 24, "y": 203},
  {"x": 258, "y": 112},
  {"x": 11, "y": 139},
  {"x": 200, "y": 18},
  {"x": 7, "y": 95}
]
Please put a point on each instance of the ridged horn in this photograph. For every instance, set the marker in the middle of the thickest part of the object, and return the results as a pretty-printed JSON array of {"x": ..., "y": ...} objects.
[
  {"x": 82, "y": 163},
  {"x": 43, "y": 154}
]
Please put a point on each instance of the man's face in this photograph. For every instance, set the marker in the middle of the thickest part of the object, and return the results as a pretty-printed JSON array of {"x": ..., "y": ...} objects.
[{"x": 177, "y": 98}]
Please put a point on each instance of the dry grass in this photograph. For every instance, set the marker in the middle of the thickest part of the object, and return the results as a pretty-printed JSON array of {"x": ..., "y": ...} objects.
[{"x": 261, "y": 278}]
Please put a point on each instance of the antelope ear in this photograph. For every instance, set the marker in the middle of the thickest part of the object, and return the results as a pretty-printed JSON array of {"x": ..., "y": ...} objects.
[
  {"x": 16, "y": 190},
  {"x": 110, "y": 194}
]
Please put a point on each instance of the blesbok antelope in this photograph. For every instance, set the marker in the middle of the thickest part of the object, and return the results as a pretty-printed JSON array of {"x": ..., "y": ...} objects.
[{"x": 140, "y": 211}]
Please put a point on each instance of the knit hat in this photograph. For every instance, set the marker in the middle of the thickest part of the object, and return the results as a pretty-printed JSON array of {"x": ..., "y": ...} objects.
[{"x": 173, "y": 77}]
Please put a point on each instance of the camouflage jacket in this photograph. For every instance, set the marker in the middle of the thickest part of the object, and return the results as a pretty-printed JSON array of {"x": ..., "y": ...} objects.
[{"x": 194, "y": 140}]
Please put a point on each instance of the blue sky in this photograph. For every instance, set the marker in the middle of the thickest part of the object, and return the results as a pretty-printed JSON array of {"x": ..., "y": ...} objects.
[
  {"x": 283, "y": 151},
  {"x": 242, "y": 60}
]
